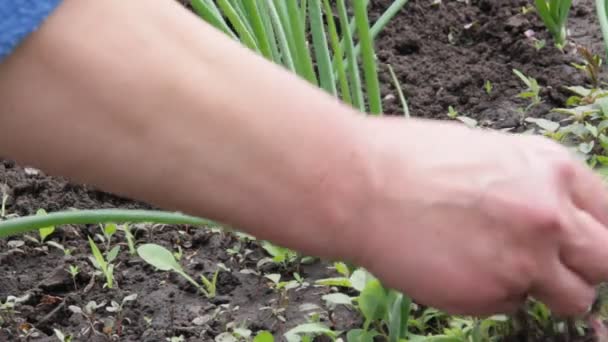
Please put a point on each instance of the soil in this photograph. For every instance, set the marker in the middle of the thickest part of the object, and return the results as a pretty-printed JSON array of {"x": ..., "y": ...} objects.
[{"x": 442, "y": 55}]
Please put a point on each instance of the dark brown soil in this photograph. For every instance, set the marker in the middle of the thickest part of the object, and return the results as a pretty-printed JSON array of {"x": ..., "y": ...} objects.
[{"x": 441, "y": 62}]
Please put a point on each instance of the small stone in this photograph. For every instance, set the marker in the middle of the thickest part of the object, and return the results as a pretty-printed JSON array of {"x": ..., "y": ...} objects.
[
  {"x": 30, "y": 171},
  {"x": 58, "y": 279},
  {"x": 16, "y": 243},
  {"x": 201, "y": 320}
]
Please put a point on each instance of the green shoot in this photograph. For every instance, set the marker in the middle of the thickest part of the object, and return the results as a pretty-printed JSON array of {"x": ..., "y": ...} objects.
[
  {"x": 44, "y": 232},
  {"x": 108, "y": 231},
  {"x": 103, "y": 265},
  {"x": 130, "y": 238},
  {"x": 592, "y": 66},
  {"x": 74, "y": 271},
  {"x": 452, "y": 113},
  {"x": 66, "y": 251},
  {"x": 602, "y": 14},
  {"x": 554, "y": 14},
  {"x": 163, "y": 260},
  {"x": 211, "y": 285},
  {"x": 532, "y": 91},
  {"x": 278, "y": 30},
  {"x": 368, "y": 56},
  {"x": 280, "y": 255},
  {"x": 33, "y": 222},
  {"x": 488, "y": 87},
  {"x": 178, "y": 254},
  {"x": 397, "y": 86}
]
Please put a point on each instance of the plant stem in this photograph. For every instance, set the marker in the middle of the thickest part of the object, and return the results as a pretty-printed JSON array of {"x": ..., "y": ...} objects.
[
  {"x": 34, "y": 222},
  {"x": 603, "y": 19},
  {"x": 368, "y": 57}
]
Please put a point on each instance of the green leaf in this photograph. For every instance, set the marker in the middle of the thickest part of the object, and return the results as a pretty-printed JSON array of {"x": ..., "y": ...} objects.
[
  {"x": 113, "y": 253},
  {"x": 586, "y": 148},
  {"x": 110, "y": 229},
  {"x": 341, "y": 282},
  {"x": 337, "y": 299},
  {"x": 373, "y": 301},
  {"x": 394, "y": 317},
  {"x": 359, "y": 279},
  {"x": 370, "y": 68},
  {"x": 310, "y": 329},
  {"x": 263, "y": 336},
  {"x": 159, "y": 257},
  {"x": 342, "y": 268},
  {"x": 98, "y": 256},
  {"x": 321, "y": 48},
  {"x": 46, "y": 231},
  {"x": 360, "y": 335},
  {"x": 398, "y": 315},
  {"x": 547, "y": 125}
]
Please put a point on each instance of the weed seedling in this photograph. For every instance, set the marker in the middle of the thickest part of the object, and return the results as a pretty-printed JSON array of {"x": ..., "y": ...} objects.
[
  {"x": 107, "y": 231},
  {"x": 532, "y": 91},
  {"x": 488, "y": 87},
  {"x": 43, "y": 232},
  {"x": 66, "y": 251},
  {"x": 129, "y": 237},
  {"x": 8, "y": 308},
  {"x": 74, "y": 271},
  {"x": 104, "y": 265},
  {"x": 592, "y": 66},
  {"x": 89, "y": 313},
  {"x": 118, "y": 309},
  {"x": 162, "y": 259}
]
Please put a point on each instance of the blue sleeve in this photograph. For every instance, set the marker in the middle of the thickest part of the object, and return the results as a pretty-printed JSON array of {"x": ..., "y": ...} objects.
[{"x": 19, "y": 18}]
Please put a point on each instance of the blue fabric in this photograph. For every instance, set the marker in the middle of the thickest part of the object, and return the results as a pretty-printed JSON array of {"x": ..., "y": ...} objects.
[{"x": 19, "y": 18}]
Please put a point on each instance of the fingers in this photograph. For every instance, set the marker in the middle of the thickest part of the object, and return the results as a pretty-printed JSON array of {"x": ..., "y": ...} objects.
[
  {"x": 564, "y": 292},
  {"x": 585, "y": 247},
  {"x": 590, "y": 193}
]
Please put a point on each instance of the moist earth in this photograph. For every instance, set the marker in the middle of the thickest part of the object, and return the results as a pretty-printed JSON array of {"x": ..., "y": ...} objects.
[{"x": 442, "y": 55}]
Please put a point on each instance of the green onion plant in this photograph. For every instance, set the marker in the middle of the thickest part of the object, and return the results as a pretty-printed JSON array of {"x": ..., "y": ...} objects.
[
  {"x": 304, "y": 37},
  {"x": 602, "y": 14},
  {"x": 554, "y": 14}
]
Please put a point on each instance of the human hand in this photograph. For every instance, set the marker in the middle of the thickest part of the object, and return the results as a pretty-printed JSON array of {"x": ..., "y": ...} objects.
[{"x": 473, "y": 222}]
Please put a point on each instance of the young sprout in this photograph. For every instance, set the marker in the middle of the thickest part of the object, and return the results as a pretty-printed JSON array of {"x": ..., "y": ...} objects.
[
  {"x": 118, "y": 309},
  {"x": 487, "y": 86},
  {"x": 104, "y": 265},
  {"x": 162, "y": 259},
  {"x": 45, "y": 231},
  {"x": 74, "y": 271},
  {"x": 178, "y": 254},
  {"x": 66, "y": 251},
  {"x": 532, "y": 91},
  {"x": 554, "y": 14},
  {"x": 592, "y": 66},
  {"x": 108, "y": 231},
  {"x": 129, "y": 237}
]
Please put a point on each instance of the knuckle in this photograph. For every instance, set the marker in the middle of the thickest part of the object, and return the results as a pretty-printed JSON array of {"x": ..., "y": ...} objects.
[
  {"x": 564, "y": 169},
  {"x": 546, "y": 221}
]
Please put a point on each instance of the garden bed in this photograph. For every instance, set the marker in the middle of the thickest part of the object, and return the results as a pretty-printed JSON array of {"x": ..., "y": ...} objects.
[{"x": 444, "y": 55}]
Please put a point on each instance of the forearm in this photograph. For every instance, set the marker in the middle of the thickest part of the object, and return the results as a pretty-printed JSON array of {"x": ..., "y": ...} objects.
[{"x": 165, "y": 109}]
